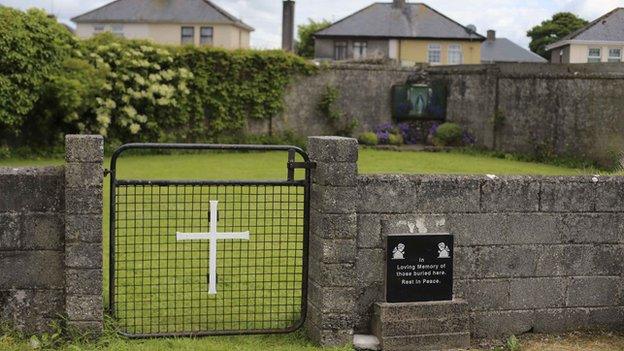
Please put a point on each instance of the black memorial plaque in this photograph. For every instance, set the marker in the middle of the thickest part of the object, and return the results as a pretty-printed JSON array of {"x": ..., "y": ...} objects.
[{"x": 419, "y": 268}]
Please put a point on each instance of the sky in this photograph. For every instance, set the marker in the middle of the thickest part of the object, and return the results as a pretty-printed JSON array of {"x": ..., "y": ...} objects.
[{"x": 510, "y": 18}]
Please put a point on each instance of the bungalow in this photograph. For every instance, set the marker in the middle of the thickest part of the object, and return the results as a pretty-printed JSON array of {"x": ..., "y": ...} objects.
[
  {"x": 600, "y": 41},
  {"x": 181, "y": 22},
  {"x": 406, "y": 32}
]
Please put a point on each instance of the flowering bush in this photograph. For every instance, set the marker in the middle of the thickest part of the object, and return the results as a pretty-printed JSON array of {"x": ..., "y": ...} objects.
[
  {"x": 410, "y": 133},
  {"x": 383, "y": 132},
  {"x": 145, "y": 92}
]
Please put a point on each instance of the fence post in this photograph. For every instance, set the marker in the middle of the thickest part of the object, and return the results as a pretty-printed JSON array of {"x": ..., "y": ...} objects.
[
  {"x": 333, "y": 230},
  {"x": 84, "y": 157}
]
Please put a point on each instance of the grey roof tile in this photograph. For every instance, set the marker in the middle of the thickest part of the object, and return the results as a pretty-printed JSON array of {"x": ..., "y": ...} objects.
[
  {"x": 609, "y": 27},
  {"x": 167, "y": 11},
  {"x": 415, "y": 20},
  {"x": 505, "y": 50}
]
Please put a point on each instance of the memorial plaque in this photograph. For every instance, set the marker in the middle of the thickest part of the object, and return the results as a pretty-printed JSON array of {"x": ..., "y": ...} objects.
[{"x": 419, "y": 268}]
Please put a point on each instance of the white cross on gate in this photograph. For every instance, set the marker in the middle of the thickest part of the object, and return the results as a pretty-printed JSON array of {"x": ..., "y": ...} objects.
[{"x": 213, "y": 236}]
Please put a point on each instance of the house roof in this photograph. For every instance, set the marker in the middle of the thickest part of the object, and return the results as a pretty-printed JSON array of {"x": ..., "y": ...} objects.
[
  {"x": 166, "y": 11},
  {"x": 609, "y": 27},
  {"x": 413, "y": 20},
  {"x": 505, "y": 50}
]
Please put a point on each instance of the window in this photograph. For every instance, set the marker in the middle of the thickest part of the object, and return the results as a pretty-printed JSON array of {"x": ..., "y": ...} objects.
[
  {"x": 118, "y": 30},
  {"x": 615, "y": 55},
  {"x": 98, "y": 28},
  {"x": 206, "y": 35},
  {"x": 340, "y": 50},
  {"x": 359, "y": 50},
  {"x": 593, "y": 55},
  {"x": 434, "y": 54},
  {"x": 188, "y": 35},
  {"x": 455, "y": 55}
]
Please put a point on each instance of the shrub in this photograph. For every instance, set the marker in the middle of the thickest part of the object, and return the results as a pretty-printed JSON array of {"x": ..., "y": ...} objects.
[
  {"x": 369, "y": 139},
  {"x": 32, "y": 48},
  {"x": 67, "y": 104},
  {"x": 395, "y": 139},
  {"x": 128, "y": 90},
  {"x": 448, "y": 134}
]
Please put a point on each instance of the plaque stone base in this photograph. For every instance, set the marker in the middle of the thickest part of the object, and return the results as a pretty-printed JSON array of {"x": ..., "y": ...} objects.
[{"x": 422, "y": 325}]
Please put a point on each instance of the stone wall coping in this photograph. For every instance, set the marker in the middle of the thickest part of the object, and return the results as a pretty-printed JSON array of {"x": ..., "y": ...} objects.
[
  {"x": 485, "y": 178},
  {"x": 32, "y": 171}
]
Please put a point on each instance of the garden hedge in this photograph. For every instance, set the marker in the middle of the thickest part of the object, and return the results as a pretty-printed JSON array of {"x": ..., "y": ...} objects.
[{"x": 52, "y": 84}]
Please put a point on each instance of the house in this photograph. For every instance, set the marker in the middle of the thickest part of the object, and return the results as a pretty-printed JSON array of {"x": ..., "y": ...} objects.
[
  {"x": 496, "y": 50},
  {"x": 406, "y": 32},
  {"x": 600, "y": 41},
  {"x": 197, "y": 22}
]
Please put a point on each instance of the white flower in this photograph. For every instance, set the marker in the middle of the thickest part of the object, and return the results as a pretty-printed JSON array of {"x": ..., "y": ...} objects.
[{"x": 134, "y": 128}]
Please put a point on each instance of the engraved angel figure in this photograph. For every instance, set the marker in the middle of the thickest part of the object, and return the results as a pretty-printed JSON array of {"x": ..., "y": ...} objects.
[
  {"x": 444, "y": 251},
  {"x": 399, "y": 252}
]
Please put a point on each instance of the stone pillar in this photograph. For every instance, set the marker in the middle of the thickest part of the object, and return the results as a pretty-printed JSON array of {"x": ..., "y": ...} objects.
[
  {"x": 84, "y": 156},
  {"x": 333, "y": 230}
]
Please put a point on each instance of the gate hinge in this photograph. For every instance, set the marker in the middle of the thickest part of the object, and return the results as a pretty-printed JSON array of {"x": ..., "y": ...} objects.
[
  {"x": 107, "y": 172},
  {"x": 301, "y": 165}
]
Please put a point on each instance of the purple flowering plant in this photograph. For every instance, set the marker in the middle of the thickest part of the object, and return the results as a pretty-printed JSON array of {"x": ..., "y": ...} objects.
[{"x": 409, "y": 132}]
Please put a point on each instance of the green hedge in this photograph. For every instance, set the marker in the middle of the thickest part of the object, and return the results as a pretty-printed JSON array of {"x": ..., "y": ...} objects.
[{"x": 52, "y": 84}]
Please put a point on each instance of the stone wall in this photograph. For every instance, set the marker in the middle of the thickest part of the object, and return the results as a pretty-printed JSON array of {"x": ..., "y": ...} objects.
[
  {"x": 548, "y": 109},
  {"x": 540, "y": 254},
  {"x": 51, "y": 241}
]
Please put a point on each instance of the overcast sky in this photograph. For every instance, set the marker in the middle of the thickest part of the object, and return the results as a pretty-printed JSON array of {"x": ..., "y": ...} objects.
[{"x": 511, "y": 18}]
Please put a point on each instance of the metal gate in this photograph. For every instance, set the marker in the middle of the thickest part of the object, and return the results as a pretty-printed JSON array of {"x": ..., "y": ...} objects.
[{"x": 168, "y": 238}]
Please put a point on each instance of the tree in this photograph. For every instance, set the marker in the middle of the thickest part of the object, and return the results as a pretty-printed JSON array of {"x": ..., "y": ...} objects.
[
  {"x": 305, "y": 42},
  {"x": 553, "y": 30}
]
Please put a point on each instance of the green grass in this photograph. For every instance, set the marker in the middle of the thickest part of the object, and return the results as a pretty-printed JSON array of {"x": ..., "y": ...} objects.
[{"x": 174, "y": 278}]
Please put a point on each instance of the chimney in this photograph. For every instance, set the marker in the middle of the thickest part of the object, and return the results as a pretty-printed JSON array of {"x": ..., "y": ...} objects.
[
  {"x": 398, "y": 4},
  {"x": 288, "y": 26},
  {"x": 491, "y": 35}
]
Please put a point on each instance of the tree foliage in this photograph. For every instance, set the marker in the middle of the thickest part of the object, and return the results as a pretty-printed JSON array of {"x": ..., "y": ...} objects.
[
  {"x": 553, "y": 30},
  {"x": 305, "y": 42},
  {"x": 33, "y": 47}
]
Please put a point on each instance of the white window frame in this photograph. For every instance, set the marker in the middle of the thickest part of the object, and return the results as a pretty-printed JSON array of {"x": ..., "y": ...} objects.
[
  {"x": 186, "y": 39},
  {"x": 593, "y": 58},
  {"x": 434, "y": 54},
  {"x": 205, "y": 39},
  {"x": 343, "y": 46},
  {"x": 118, "y": 30},
  {"x": 359, "y": 49},
  {"x": 613, "y": 58},
  {"x": 455, "y": 54}
]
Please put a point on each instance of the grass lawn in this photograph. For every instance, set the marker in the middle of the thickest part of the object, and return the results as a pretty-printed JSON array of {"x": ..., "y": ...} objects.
[{"x": 137, "y": 260}]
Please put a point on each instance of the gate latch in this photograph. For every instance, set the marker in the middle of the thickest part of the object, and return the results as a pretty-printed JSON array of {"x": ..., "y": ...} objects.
[
  {"x": 301, "y": 165},
  {"x": 292, "y": 165}
]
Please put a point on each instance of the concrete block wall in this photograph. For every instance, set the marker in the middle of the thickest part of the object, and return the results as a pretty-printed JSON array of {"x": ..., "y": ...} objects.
[
  {"x": 51, "y": 241},
  {"x": 31, "y": 246},
  {"x": 540, "y": 254}
]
